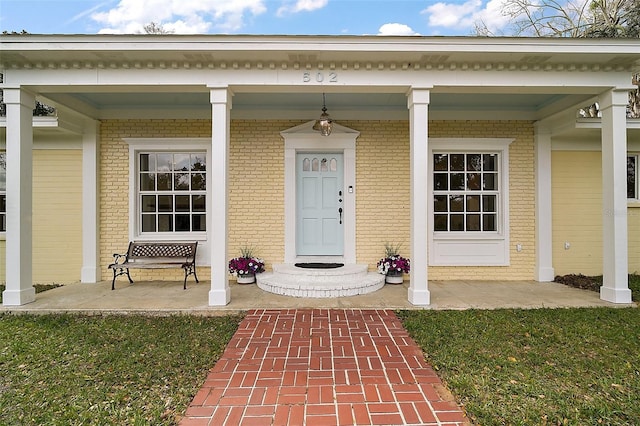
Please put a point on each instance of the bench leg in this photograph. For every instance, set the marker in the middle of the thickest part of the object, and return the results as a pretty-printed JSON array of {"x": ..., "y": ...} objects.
[{"x": 120, "y": 271}]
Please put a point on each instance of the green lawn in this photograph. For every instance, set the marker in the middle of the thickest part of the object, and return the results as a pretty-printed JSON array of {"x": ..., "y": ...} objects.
[
  {"x": 531, "y": 367},
  {"x": 98, "y": 370}
]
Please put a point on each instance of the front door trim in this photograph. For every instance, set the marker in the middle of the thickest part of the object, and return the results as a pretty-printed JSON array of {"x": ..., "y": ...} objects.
[{"x": 303, "y": 138}]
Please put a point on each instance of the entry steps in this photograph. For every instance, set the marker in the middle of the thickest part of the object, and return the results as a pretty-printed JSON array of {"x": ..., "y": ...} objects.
[{"x": 347, "y": 280}]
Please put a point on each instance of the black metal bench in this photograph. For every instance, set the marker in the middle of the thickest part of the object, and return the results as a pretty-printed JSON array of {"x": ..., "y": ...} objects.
[{"x": 153, "y": 255}]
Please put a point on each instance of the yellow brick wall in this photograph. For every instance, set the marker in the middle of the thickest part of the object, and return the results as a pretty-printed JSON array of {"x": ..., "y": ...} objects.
[
  {"x": 521, "y": 197},
  {"x": 57, "y": 217},
  {"x": 256, "y": 197},
  {"x": 114, "y": 185},
  {"x": 577, "y": 215}
]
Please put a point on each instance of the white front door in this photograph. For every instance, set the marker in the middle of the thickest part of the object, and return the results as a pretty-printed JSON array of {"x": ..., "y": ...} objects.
[{"x": 319, "y": 204}]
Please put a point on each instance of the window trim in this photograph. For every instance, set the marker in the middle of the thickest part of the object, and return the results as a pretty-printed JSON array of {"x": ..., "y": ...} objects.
[
  {"x": 471, "y": 248},
  {"x": 138, "y": 145}
]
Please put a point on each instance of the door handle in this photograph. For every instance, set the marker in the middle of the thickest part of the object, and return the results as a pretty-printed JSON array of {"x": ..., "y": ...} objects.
[{"x": 340, "y": 211}]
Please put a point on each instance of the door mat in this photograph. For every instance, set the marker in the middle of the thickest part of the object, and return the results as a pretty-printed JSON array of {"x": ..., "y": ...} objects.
[{"x": 319, "y": 265}]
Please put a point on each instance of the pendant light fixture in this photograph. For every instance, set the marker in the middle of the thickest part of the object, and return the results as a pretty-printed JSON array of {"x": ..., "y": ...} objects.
[{"x": 324, "y": 122}]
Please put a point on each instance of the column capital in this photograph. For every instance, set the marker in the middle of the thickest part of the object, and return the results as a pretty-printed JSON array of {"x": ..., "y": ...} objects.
[
  {"x": 418, "y": 95},
  {"x": 220, "y": 95},
  {"x": 17, "y": 96},
  {"x": 614, "y": 97}
]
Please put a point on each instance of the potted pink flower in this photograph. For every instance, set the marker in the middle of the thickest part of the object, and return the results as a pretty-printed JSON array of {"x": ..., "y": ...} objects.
[
  {"x": 393, "y": 265},
  {"x": 246, "y": 266}
]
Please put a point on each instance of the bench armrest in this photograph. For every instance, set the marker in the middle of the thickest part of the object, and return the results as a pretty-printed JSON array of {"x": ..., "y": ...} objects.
[{"x": 118, "y": 257}]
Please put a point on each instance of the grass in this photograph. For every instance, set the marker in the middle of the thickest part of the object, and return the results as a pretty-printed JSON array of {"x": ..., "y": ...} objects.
[
  {"x": 71, "y": 369},
  {"x": 532, "y": 367}
]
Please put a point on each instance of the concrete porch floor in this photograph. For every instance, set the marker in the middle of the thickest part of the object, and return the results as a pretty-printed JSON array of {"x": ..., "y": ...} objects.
[{"x": 167, "y": 297}]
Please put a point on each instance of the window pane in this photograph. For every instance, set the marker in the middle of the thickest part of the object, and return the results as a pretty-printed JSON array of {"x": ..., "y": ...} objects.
[
  {"x": 489, "y": 203},
  {"x": 182, "y": 162},
  {"x": 148, "y": 223},
  {"x": 490, "y": 163},
  {"x": 147, "y": 181},
  {"x": 164, "y": 182},
  {"x": 324, "y": 166},
  {"x": 440, "y": 203},
  {"x": 489, "y": 182},
  {"x": 631, "y": 177},
  {"x": 198, "y": 182},
  {"x": 473, "y": 203},
  {"x": 165, "y": 223},
  {"x": 473, "y": 181},
  {"x": 3, "y": 203},
  {"x": 440, "y": 182},
  {"x": 182, "y": 223},
  {"x": 199, "y": 222},
  {"x": 315, "y": 165},
  {"x": 456, "y": 203},
  {"x": 198, "y": 163},
  {"x": 3, "y": 223},
  {"x": 147, "y": 162},
  {"x": 456, "y": 181},
  {"x": 182, "y": 181},
  {"x": 474, "y": 162},
  {"x": 165, "y": 162},
  {"x": 457, "y": 162},
  {"x": 440, "y": 222},
  {"x": 306, "y": 165},
  {"x": 182, "y": 203},
  {"x": 198, "y": 203},
  {"x": 165, "y": 203},
  {"x": 456, "y": 222},
  {"x": 489, "y": 222},
  {"x": 440, "y": 162},
  {"x": 473, "y": 222},
  {"x": 149, "y": 203},
  {"x": 334, "y": 165}
]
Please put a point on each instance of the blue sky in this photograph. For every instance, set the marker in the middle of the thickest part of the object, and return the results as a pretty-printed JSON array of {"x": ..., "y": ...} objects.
[{"x": 303, "y": 17}]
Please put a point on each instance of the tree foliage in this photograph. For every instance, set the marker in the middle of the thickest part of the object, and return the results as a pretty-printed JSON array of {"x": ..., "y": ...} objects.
[
  {"x": 155, "y": 28},
  {"x": 573, "y": 18}
]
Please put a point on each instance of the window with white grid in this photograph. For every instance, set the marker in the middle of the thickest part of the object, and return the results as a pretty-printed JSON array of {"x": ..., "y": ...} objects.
[
  {"x": 172, "y": 192},
  {"x": 466, "y": 191}
]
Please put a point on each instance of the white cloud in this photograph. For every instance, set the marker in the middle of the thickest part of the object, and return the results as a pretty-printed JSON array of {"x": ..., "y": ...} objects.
[
  {"x": 396, "y": 29},
  {"x": 301, "y": 6},
  {"x": 179, "y": 16},
  {"x": 465, "y": 15}
]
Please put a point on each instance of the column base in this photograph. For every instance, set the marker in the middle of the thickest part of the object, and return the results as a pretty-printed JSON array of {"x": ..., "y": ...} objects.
[
  {"x": 419, "y": 297},
  {"x": 89, "y": 275},
  {"x": 615, "y": 295},
  {"x": 545, "y": 275},
  {"x": 220, "y": 297},
  {"x": 18, "y": 297}
]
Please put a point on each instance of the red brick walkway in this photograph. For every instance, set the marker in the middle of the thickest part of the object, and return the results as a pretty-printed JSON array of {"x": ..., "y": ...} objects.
[{"x": 322, "y": 367}]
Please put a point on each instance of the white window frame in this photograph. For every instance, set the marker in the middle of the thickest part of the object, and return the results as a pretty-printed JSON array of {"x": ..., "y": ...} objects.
[
  {"x": 4, "y": 192},
  {"x": 636, "y": 199},
  {"x": 144, "y": 145},
  {"x": 471, "y": 248}
]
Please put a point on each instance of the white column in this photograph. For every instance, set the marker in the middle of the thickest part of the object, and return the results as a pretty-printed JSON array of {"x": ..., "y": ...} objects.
[
  {"x": 90, "y": 272},
  {"x": 19, "y": 255},
  {"x": 220, "y": 293},
  {"x": 418, "y": 104},
  {"x": 544, "y": 234},
  {"x": 615, "y": 287}
]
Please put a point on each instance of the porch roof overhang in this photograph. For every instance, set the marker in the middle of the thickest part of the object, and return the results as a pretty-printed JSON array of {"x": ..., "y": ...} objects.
[{"x": 365, "y": 77}]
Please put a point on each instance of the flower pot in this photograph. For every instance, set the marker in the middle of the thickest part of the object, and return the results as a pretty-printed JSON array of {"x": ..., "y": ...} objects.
[
  {"x": 246, "y": 279},
  {"x": 394, "y": 277}
]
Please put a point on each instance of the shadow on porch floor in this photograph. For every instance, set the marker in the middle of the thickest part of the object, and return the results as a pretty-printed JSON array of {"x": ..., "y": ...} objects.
[{"x": 165, "y": 297}]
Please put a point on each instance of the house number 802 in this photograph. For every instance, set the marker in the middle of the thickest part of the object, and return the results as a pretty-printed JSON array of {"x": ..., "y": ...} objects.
[{"x": 319, "y": 77}]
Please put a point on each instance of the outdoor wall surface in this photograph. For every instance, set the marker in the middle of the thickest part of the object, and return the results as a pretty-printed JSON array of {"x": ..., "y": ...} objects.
[
  {"x": 521, "y": 197},
  {"x": 57, "y": 217},
  {"x": 577, "y": 215},
  {"x": 256, "y": 189}
]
